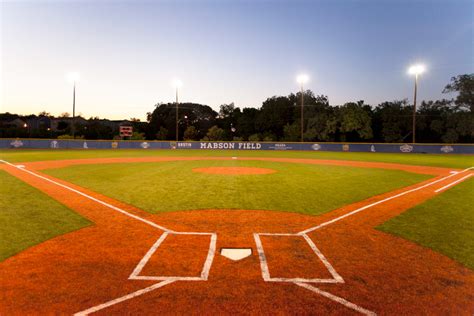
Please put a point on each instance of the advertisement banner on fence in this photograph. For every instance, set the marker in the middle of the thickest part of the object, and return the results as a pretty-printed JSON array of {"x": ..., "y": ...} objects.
[{"x": 57, "y": 144}]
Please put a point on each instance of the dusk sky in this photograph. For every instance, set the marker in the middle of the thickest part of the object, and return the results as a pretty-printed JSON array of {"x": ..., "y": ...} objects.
[{"x": 127, "y": 53}]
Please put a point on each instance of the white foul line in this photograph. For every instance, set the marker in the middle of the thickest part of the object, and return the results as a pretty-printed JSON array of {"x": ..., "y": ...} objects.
[
  {"x": 124, "y": 298},
  {"x": 134, "y": 275},
  {"x": 453, "y": 183},
  {"x": 379, "y": 202},
  {"x": 337, "y": 299},
  {"x": 92, "y": 198}
]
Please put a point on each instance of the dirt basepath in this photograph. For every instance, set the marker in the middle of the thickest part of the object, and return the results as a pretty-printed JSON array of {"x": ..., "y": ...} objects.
[{"x": 380, "y": 273}]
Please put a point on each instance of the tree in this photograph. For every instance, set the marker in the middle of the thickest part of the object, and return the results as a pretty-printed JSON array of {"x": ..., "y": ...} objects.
[
  {"x": 275, "y": 113},
  {"x": 215, "y": 133},
  {"x": 464, "y": 86},
  {"x": 137, "y": 136},
  {"x": 292, "y": 133},
  {"x": 355, "y": 121},
  {"x": 393, "y": 120},
  {"x": 190, "y": 133},
  {"x": 200, "y": 116},
  {"x": 162, "y": 133}
]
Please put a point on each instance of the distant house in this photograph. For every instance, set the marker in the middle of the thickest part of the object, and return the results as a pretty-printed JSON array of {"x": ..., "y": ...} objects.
[
  {"x": 61, "y": 123},
  {"x": 39, "y": 122},
  {"x": 18, "y": 123}
]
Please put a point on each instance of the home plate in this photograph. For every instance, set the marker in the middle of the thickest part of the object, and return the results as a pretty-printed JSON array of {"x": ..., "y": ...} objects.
[{"x": 236, "y": 254}]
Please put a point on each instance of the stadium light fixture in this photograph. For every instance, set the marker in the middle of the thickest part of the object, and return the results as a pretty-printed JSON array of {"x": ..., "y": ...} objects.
[
  {"x": 415, "y": 70},
  {"x": 302, "y": 79},
  {"x": 177, "y": 84},
  {"x": 73, "y": 77}
]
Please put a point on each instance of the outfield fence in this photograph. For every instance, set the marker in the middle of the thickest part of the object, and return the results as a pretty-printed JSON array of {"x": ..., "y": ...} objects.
[{"x": 206, "y": 145}]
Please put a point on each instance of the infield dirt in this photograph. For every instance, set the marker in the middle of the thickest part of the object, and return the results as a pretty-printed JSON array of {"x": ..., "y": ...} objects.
[{"x": 91, "y": 266}]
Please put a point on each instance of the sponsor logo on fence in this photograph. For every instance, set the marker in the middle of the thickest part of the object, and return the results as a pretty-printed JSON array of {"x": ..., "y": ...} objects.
[
  {"x": 345, "y": 147},
  {"x": 185, "y": 145},
  {"x": 281, "y": 147},
  {"x": 406, "y": 148},
  {"x": 54, "y": 144},
  {"x": 144, "y": 145},
  {"x": 316, "y": 147},
  {"x": 447, "y": 149},
  {"x": 17, "y": 143}
]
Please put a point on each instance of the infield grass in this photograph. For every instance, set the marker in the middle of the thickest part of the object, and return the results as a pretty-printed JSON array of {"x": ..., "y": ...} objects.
[
  {"x": 172, "y": 186},
  {"x": 444, "y": 223},
  {"x": 29, "y": 217},
  {"x": 450, "y": 161}
]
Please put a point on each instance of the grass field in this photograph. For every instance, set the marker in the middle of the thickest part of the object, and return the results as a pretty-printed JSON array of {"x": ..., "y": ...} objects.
[
  {"x": 29, "y": 217},
  {"x": 299, "y": 245},
  {"x": 445, "y": 223},
  {"x": 452, "y": 161},
  {"x": 173, "y": 186}
]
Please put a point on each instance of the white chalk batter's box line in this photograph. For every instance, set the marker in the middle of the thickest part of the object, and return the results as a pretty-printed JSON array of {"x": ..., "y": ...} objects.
[
  {"x": 336, "y": 278},
  {"x": 135, "y": 275}
]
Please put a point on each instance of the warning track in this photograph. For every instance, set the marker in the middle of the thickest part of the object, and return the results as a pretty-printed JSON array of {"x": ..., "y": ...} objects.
[{"x": 128, "y": 262}]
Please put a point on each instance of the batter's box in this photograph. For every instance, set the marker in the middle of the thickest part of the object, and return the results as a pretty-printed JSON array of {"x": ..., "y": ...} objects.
[
  {"x": 178, "y": 256},
  {"x": 293, "y": 258}
]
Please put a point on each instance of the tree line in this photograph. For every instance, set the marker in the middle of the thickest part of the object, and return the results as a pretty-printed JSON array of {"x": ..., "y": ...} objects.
[{"x": 278, "y": 119}]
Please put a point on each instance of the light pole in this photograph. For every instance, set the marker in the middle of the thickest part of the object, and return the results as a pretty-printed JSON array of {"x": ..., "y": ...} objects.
[
  {"x": 177, "y": 84},
  {"x": 302, "y": 79},
  {"x": 415, "y": 70},
  {"x": 73, "y": 76}
]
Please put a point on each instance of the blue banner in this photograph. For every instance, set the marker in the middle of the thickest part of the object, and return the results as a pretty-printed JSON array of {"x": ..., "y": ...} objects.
[{"x": 205, "y": 145}]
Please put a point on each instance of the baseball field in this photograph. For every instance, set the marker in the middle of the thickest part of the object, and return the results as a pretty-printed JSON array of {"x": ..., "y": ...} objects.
[{"x": 235, "y": 232}]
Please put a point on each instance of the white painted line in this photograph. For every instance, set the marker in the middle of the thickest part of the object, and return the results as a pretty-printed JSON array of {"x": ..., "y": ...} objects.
[
  {"x": 210, "y": 257},
  {"x": 123, "y": 298},
  {"x": 234, "y": 157},
  {"x": 20, "y": 166},
  {"x": 337, "y": 299},
  {"x": 266, "y": 273},
  {"x": 93, "y": 199},
  {"x": 147, "y": 256},
  {"x": 378, "y": 202},
  {"x": 135, "y": 273},
  {"x": 330, "y": 268},
  {"x": 453, "y": 183},
  {"x": 263, "y": 259}
]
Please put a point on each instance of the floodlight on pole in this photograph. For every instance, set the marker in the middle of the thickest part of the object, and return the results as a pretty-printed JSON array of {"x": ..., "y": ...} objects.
[
  {"x": 302, "y": 79},
  {"x": 415, "y": 70},
  {"x": 177, "y": 85},
  {"x": 73, "y": 77}
]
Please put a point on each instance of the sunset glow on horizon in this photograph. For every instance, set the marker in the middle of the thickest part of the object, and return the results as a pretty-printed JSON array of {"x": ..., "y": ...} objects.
[{"x": 242, "y": 52}]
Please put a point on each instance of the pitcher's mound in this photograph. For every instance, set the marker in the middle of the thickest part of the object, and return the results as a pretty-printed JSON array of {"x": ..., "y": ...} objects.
[{"x": 234, "y": 170}]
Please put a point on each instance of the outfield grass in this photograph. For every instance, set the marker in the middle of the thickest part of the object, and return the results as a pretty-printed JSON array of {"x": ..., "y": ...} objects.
[
  {"x": 171, "y": 186},
  {"x": 450, "y": 161},
  {"x": 29, "y": 217},
  {"x": 444, "y": 223}
]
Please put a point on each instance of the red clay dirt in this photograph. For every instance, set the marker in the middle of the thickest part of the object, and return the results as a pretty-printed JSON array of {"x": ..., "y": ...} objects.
[
  {"x": 382, "y": 273},
  {"x": 235, "y": 171}
]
